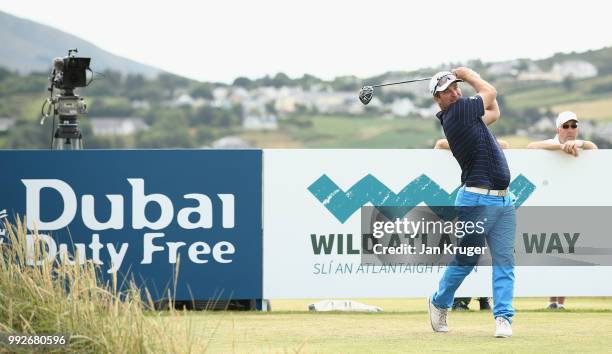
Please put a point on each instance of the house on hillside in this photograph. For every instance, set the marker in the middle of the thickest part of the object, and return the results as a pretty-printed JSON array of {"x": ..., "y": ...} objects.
[
  {"x": 288, "y": 99},
  {"x": 220, "y": 93},
  {"x": 255, "y": 106},
  {"x": 285, "y": 104},
  {"x": 429, "y": 112},
  {"x": 112, "y": 126},
  {"x": 183, "y": 100},
  {"x": 577, "y": 69},
  {"x": 141, "y": 104},
  {"x": 221, "y": 97},
  {"x": 6, "y": 123},
  {"x": 238, "y": 95},
  {"x": 603, "y": 131},
  {"x": 231, "y": 142},
  {"x": 543, "y": 125},
  {"x": 260, "y": 122},
  {"x": 333, "y": 102},
  {"x": 504, "y": 68},
  {"x": 402, "y": 107}
]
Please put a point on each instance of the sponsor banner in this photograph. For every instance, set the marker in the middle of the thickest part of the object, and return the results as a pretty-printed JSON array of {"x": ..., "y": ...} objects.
[
  {"x": 544, "y": 235},
  {"x": 312, "y": 224},
  {"x": 144, "y": 215}
]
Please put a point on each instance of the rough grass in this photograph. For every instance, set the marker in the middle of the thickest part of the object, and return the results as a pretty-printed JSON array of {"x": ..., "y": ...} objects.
[{"x": 56, "y": 298}]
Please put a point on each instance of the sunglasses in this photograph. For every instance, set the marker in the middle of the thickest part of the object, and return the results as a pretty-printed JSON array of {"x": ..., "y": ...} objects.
[
  {"x": 444, "y": 79},
  {"x": 567, "y": 126}
]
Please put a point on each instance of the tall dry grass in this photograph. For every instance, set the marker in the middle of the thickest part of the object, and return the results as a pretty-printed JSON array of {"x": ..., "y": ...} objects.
[{"x": 55, "y": 297}]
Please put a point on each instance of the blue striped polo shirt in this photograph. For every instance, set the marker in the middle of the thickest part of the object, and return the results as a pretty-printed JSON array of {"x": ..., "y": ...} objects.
[{"x": 480, "y": 157}]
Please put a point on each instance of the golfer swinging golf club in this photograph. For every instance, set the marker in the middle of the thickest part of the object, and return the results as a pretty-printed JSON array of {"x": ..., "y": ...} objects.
[{"x": 483, "y": 196}]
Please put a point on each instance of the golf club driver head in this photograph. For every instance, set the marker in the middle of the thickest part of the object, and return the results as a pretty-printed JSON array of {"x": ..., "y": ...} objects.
[{"x": 365, "y": 94}]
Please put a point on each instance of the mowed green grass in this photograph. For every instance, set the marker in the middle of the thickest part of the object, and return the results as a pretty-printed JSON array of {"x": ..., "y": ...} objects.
[{"x": 403, "y": 326}]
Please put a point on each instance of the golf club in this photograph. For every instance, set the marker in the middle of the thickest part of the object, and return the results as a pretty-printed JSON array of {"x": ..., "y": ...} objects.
[{"x": 366, "y": 92}]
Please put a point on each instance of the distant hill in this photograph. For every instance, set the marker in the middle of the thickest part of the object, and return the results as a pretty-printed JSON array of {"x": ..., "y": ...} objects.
[
  {"x": 28, "y": 46},
  {"x": 601, "y": 58}
]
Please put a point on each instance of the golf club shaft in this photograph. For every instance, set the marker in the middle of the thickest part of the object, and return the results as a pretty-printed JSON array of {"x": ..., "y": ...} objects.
[{"x": 402, "y": 82}]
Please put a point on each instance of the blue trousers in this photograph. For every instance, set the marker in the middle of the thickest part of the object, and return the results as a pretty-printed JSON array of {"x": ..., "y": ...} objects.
[{"x": 499, "y": 219}]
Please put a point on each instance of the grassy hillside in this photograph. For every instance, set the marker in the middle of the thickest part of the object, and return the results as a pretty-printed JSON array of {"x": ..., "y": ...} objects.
[
  {"x": 596, "y": 109},
  {"x": 349, "y": 132},
  {"x": 541, "y": 95},
  {"x": 156, "y": 101},
  {"x": 600, "y": 58}
]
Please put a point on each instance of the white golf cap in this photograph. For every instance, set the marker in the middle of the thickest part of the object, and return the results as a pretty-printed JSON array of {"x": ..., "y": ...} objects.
[
  {"x": 565, "y": 117},
  {"x": 441, "y": 81}
]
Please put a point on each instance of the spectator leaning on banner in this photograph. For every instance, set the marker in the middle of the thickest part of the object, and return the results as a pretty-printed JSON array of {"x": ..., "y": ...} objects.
[{"x": 567, "y": 132}]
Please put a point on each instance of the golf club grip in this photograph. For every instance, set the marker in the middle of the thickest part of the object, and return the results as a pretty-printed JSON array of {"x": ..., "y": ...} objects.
[{"x": 402, "y": 82}]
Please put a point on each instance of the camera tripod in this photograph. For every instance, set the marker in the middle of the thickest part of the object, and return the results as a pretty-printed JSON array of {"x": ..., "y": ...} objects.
[{"x": 67, "y": 135}]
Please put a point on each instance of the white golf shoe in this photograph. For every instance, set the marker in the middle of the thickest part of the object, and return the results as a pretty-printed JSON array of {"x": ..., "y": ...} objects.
[
  {"x": 437, "y": 317},
  {"x": 503, "y": 328}
]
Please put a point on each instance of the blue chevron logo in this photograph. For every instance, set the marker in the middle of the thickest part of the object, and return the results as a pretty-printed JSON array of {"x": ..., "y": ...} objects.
[{"x": 422, "y": 189}]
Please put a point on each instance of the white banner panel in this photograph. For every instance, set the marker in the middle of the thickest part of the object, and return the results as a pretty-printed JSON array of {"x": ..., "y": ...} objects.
[{"x": 298, "y": 210}]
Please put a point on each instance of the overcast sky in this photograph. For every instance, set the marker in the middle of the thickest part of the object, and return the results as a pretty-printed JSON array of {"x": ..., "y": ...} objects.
[{"x": 221, "y": 40}]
